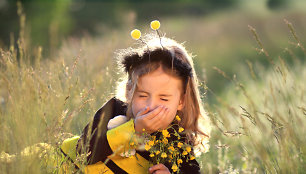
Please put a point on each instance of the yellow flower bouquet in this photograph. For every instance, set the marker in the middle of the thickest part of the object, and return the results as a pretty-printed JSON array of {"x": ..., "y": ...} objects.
[{"x": 169, "y": 146}]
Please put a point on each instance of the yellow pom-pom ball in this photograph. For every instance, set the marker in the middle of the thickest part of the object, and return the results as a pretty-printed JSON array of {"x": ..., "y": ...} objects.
[
  {"x": 136, "y": 34},
  {"x": 155, "y": 25}
]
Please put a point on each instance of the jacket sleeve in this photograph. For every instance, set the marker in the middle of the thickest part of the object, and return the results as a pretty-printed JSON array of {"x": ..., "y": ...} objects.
[
  {"x": 119, "y": 138},
  {"x": 93, "y": 141}
]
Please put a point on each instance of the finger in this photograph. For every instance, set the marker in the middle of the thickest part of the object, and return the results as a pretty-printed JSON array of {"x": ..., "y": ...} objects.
[
  {"x": 153, "y": 113},
  {"x": 162, "y": 172},
  {"x": 157, "y": 167},
  {"x": 158, "y": 119},
  {"x": 143, "y": 111},
  {"x": 165, "y": 121},
  {"x": 161, "y": 121}
]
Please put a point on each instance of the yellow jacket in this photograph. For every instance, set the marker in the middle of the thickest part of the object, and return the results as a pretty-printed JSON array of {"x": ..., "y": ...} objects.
[{"x": 104, "y": 146}]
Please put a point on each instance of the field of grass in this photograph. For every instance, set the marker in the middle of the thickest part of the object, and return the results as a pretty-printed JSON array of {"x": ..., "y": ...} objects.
[
  {"x": 258, "y": 111},
  {"x": 259, "y": 119}
]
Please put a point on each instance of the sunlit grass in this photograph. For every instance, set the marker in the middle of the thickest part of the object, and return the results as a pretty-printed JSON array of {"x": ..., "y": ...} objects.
[{"x": 258, "y": 120}]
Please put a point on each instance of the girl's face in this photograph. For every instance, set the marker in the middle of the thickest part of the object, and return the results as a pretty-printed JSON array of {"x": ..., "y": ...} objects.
[{"x": 158, "y": 88}]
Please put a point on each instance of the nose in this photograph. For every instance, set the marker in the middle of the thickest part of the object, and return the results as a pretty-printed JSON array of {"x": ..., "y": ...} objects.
[{"x": 152, "y": 103}]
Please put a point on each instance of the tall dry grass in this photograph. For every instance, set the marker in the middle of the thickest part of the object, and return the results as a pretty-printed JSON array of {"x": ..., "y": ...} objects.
[
  {"x": 42, "y": 102},
  {"x": 258, "y": 122},
  {"x": 259, "y": 119}
]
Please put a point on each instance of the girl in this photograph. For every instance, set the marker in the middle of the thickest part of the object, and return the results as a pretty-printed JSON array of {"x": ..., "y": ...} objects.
[{"x": 161, "y": 84}]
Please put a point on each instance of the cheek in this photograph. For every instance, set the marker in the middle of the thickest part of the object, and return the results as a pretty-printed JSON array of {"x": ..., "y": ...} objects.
[
  {"x": 136, "y": 106},
  {"x": 173, "y": 110},
  {"x": 172, "y": 114}
]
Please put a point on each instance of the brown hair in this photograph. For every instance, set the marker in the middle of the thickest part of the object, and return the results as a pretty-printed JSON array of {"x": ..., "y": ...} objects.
[{"x": 173, "y": 58}]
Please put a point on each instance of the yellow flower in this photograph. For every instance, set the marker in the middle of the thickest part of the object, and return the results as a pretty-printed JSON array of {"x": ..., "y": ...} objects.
[
  {"x": 164, "y": 155},
  {"x": 154, "y": 137},
  {"x": 151, "y": 143},
  {"x": 171, "y": 148},
  {"x": 147, "y": 147},
  {"x": 174, "y": 168},
  {"x": 136, "y": 34},
  {"x": 157, "y": 152},
  {"x": 192, "y": 158},
  {"x": 185, "y": 152},
  {"x": 155, "y": 25},
  {"x": 152, "y": 155},
  {"x": 165, "y": 133},
  {"x": 177, "y": 118},
  {"x": 165, "y": 141},
  {"x": 181, "y": 129},
  {"x": 188, "y": 148},
  {"x": 179, "y": 144},
  {"x": 143, "y": 129},
  {"x": 132, "y": 143},
  {"x": 179, "y": 161}
]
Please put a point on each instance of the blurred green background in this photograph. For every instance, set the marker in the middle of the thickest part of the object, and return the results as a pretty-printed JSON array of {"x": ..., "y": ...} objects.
[
  {"x": 57, "y": 67},
  {"x": 216, "y": 31}
]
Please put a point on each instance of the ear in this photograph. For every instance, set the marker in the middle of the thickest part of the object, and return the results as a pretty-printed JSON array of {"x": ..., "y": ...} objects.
[{"x": 181, "y": 103}]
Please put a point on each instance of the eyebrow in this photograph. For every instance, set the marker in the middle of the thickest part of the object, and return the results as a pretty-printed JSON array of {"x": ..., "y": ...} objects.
[{"x": 162, "y": 95}]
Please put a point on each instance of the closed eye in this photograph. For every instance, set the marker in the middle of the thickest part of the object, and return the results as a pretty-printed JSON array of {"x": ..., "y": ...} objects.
[
  {"x": 164, "y": 99},
  {"x": 142, "y": 96}
]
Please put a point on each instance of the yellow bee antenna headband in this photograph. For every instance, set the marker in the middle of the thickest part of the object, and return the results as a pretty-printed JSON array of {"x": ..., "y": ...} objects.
[
  {"x": 155, "y": 25},
  {"x": 164, "y": 55}
]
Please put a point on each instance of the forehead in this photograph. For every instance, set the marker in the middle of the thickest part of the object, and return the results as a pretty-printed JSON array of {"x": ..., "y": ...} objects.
[{"x": 159, "y": 82}]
